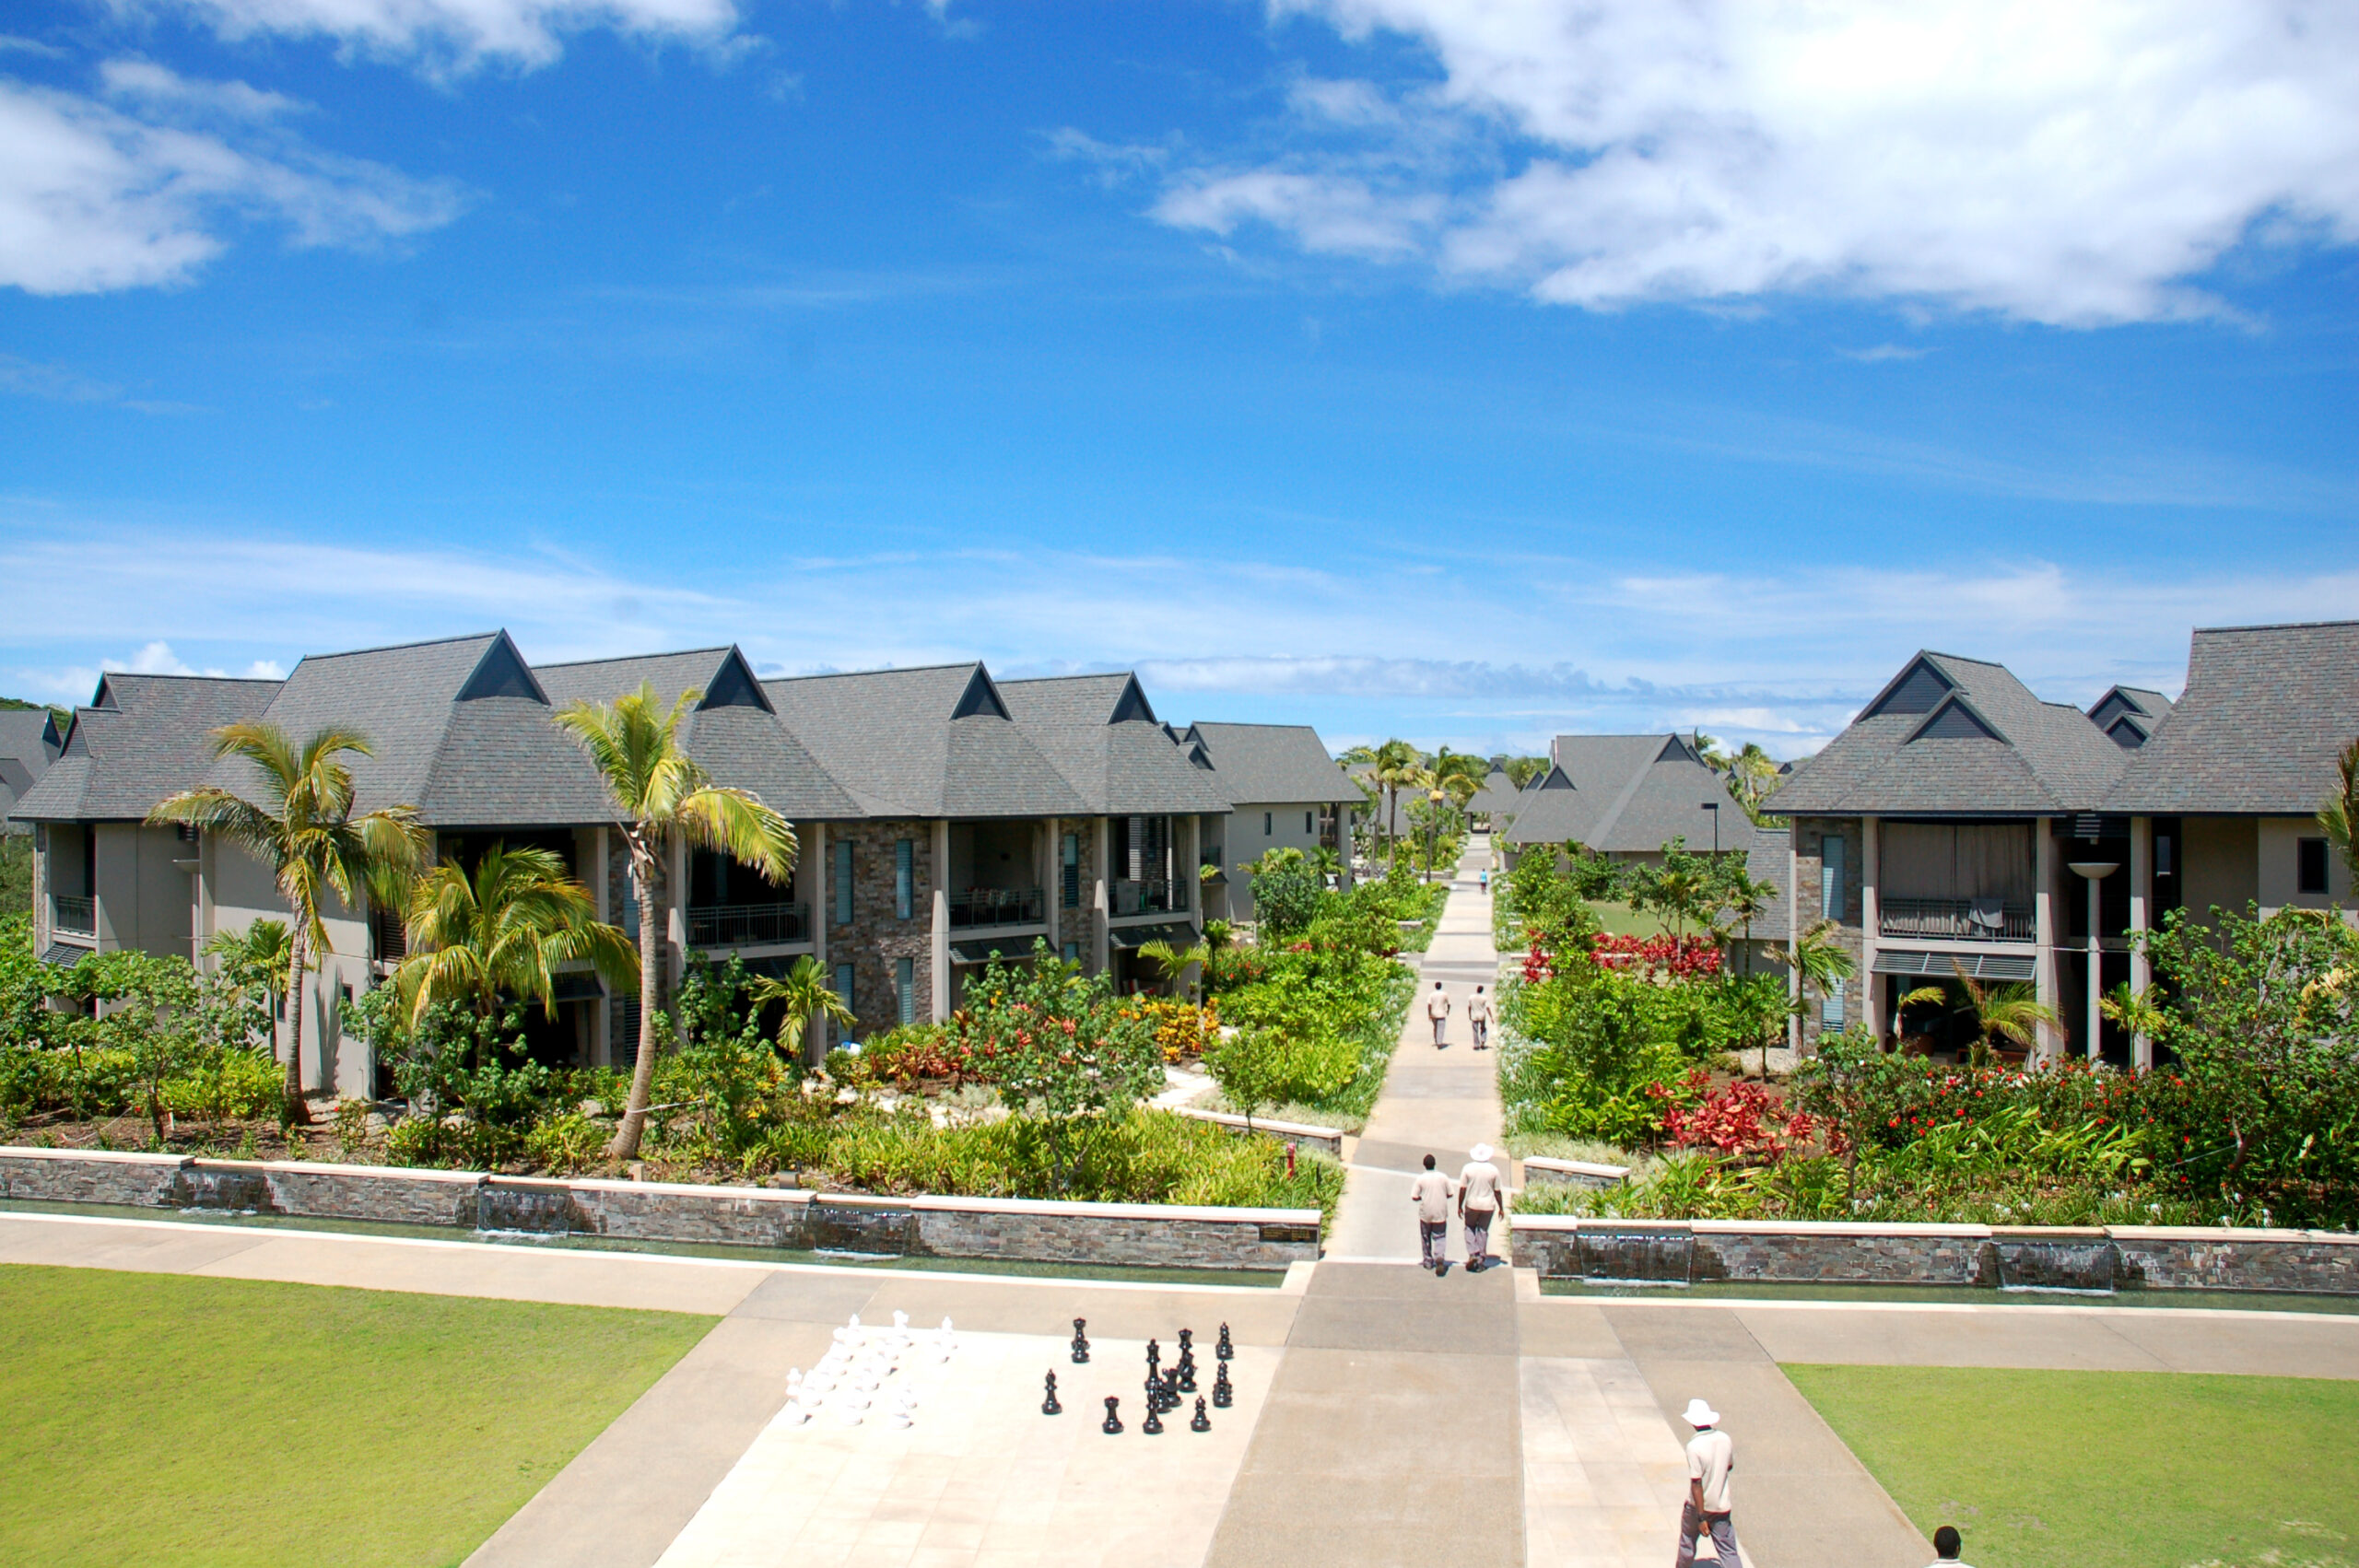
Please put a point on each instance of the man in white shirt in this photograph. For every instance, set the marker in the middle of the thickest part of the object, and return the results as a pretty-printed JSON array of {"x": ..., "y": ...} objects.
[
  {"x": 1947, "y": 1544},
  {"x": 1482, "y": 1193},
  {"x": 1437, "y": 1009},
  {"x": 1431, "y": 1193},
  {"x": 1478, "y": 1017},
  {"x": 1710, "y": 1457}
]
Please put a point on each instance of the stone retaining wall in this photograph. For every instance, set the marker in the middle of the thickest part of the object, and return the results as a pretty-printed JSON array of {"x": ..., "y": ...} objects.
[
  {"x": 1330, "y": 1139},
  {"x": 790, "y": 1219},
  {"x": 1681, "y": 1252}
]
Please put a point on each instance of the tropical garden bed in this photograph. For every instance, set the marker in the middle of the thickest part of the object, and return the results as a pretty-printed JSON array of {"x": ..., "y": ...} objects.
[{"x": 1632, "y": 1052}]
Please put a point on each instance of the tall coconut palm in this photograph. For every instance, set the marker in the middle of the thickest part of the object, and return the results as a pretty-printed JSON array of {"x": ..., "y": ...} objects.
[
  {"x": 303, "y": 830},
  {"x": 502, "y": 930},
  {"x": 805, "y": 992},
  {"x": 660, "y": 795},
  {"x": 1397, "y": 766},
  {"x": 1751, "y": 772}
]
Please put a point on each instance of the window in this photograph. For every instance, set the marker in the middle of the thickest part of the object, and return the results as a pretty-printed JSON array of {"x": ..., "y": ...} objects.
[
  {"x": 1306, "y": 825},
  {"x": 905, "y": 874},
  {"x": 1830, "y": 1006},
  {"x": 2309, "y": 864},
  {"x": 843, "y": 985},
  {"x": 842, "y": 889},
  {"x": 1265, "y": 825},
  {"x": 2162, "y": 855},
  {"x": 1072, "y": 952},
  {"x": 1830, "y": 879},
  {"x": 905, "y": 987},
  {"x": 1069, "y": 870}
]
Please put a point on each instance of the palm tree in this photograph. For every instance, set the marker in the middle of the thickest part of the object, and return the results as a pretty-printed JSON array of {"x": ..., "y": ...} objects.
[
  {"x": 1817, "y": 957},
  {"x": 2339, "y": 813},
  {"x": 661, "y": 794},
  {"x": 806, "y": 995},
  {"x": 1174, "y": 961},
  {"x": 2012, "y": 1012},
  {"x": 303, "y": 830},
  {"x": 255, "y": 959},
  {"x": 1751, "y": 772},
  {"x": 1397, "y": 764},
  {"x": 503, "y": 930}
]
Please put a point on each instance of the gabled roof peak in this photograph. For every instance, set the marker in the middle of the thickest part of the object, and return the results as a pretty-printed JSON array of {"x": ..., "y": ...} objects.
[{"x": 502, "y": 671}]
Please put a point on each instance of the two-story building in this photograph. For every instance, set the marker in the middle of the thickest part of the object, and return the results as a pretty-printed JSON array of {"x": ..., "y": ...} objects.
[
  {"x": 1285, "y": 791},
  {"x": 934, "y": 827}
]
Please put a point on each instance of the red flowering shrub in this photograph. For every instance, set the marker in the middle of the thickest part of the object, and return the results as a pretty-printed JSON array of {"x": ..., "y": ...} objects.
[
  {"x": 1743, "y": 1121},
  {"x": 1684, "y": 957}
]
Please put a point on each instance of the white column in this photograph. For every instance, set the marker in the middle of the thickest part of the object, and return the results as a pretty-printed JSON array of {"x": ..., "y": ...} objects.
[
  {"x": 1100, "y": 941},
  {"x": 1871, "y": 921},
  {"x": 941, "y": 922},
  {"x": 1794, "y": 939},
  {"x": 2096, "y": 987},
  {"x": 1189, "y": 880},
  {"x": 814, "y": 855},
  {"x": 2044, "y": 926},
  {"x": 2142, "y": 878}
]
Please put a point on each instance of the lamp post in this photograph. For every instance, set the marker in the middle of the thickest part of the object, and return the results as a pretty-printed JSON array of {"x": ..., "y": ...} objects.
[
  {"x": 1714, "y": 807},
  {"x": 2095, "y": 872}
]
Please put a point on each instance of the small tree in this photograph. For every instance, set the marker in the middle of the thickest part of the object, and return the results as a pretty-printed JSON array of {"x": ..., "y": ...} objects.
[
  {"x": 1248, "y": 1066},
  {"x": 1285, "y": 890},
  {"x": 2012, "y": 1012},
  {"x": 503, "y": 930},
  {"x": 255, "y": 960},
  {"x": 1062, "y": 1054},
  {"x": 805, "y": 995}
]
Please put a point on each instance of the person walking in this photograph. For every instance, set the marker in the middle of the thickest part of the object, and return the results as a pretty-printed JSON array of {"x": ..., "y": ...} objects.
[
  {"x": 1482, "y": 1193},
  {"x": 1711, "y": 1456},
  {"x": 1437, "y": 1009},
  {"x": 1431, "y": 1193},
  {"x": 1478, "y": 1017},
  {"x": 1947, "y": 1544}
]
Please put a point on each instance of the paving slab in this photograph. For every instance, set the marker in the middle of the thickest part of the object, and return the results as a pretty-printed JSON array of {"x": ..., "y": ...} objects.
[
  {"x": 516, "y": 1273},
  {"x": 135, "y": 1246},
  {"x": 1993, "y": 1335}
]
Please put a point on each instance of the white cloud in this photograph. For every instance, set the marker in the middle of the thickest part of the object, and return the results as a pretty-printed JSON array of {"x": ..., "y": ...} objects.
[
  {"x": 95, "y": 197},
  {"x": 2074, "y": 164},
  {"x": 461, "y": 35}
]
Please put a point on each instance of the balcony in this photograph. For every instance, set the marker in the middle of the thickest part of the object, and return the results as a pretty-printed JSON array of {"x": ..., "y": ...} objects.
[
  {"x": 749, "y": 925},
  {"x": 1958, "y": 920},
  {"x": 73, "y": 915},
  {"x": 981, "y": 907},
  {"x": 1155, "y": 895}
]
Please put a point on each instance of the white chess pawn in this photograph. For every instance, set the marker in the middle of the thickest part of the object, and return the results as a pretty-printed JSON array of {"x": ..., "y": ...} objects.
[
  {"x": 901, "y": 1321},
  {"x": 794, "y": 1383},
  {"x": 850, "y": 1415}
]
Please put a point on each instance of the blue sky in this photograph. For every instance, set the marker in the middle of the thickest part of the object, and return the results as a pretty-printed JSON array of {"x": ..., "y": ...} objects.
[{"x": 1472, "y": 372}]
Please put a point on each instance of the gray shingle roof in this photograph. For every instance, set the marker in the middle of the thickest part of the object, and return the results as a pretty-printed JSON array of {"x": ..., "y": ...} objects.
[
  {"x": 144, "y": 738},
  {"x": 29, "y": 743},
  {"x": 1103, "y": 737},
  {"x": 890, "y": 739},
  {"x": 2266, "y": 712},
  {"x": 1957, "y": 737},
  {"x": 736, "y": 733},
  {"x": 1273, "y": 765},
  {"x": 1498, "y": 796},
  {"x": 1630, "y": 795}
]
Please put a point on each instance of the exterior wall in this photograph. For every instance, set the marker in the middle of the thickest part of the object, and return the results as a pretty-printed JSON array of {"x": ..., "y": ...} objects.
[
  {"x": 144, "y": 897},
  {"x": 240, "y": 893},
  {"x": 2279, "y": 872},
  {"x": 877, "y": 937},
  {"x": 1810, "y": 835},
  {"x": 2221, "y": 864},
  {"x": 1242, "y": 840}
]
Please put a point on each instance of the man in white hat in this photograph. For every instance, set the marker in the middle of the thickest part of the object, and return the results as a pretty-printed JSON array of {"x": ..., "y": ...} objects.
[
  {"x": 1482, "y": 1193},
  {"x": 1710, "y": 1457}
]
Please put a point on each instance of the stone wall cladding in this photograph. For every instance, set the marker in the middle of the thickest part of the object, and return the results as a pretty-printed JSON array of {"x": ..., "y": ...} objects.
[
  {"x": 2239, "y": 1261},
  {"x": 76, "y": 1175},
  {"x": 1946, "y": 1254},
  {"x": 1809, "y": 832},
  {"x": 727, "y": 1216},
  {"x": 877, "y": 936},
  {"x": 385, "y": 1194}
]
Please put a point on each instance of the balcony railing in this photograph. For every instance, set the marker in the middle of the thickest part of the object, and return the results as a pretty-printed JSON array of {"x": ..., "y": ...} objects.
[
  {"x": 1152, "y": 896},
  {"x": 1958, "y": 920},
  {"x": 72, "y": 914},
  {"x": 749, "y": 925},
  {"x": 997, "y": 906}
]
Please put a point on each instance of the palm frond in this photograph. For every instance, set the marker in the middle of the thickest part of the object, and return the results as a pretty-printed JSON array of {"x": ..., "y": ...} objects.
[{"x": 736, "y": 823}]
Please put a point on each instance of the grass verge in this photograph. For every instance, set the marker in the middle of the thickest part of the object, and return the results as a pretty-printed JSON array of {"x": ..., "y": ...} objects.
[
  {"x": 2108, "y": 1470},
  {"x": 160, "y": 1418}
]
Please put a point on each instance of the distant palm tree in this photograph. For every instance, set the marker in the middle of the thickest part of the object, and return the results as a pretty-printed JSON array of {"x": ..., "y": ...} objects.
[
  {"x": 1397, "y": 764},
  {"x": 661, "y": 794},
  {"x": 1174, "y": 961},
  {"x": 303, "y": 830},
  {"x": 1522, "y": 770},
  {"x": 805, "y": 994},
  {"x": 1751, "y": 772},
  {"x": 503, "y": 930},
  {"x": 1817, "y": 957}
]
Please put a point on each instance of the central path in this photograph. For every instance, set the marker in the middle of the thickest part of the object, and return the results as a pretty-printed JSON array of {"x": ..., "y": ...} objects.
[{"x": 1392, "y": 1434}]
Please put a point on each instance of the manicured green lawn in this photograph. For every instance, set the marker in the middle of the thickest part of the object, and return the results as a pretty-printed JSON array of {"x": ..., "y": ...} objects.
[
  {"x": 159, "y": 1418},
  {"x": 2137, "y": 1470}
]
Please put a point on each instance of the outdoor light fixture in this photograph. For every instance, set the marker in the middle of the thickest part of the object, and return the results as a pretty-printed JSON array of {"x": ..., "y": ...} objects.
[{"x": 2095, "y": 872}]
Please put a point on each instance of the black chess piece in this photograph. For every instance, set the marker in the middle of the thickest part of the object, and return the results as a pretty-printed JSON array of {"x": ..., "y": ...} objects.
[
  {"x": 1222, "y": 1396},
  {"x": 1202, "y": 1421},
  {"x": 1224, "y": 1350},
  {"x": 1113, "y": 1422},
  {"x": 1187, "y": 1371},
  {"x": 1153, "y": 1425},
  {"x": 1154, "y": 1387},
  {"x": 1080, "y": 1342},
  {"x": 1187, "y": 1344},
  {"x": 1171, "y": 1388},
  {"x": 1154, "y": 1355},
  {"x": 1049, "y": 1407}
]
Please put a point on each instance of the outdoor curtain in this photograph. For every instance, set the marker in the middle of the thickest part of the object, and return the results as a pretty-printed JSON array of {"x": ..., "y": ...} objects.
[{"x": 1964, "y": 862}]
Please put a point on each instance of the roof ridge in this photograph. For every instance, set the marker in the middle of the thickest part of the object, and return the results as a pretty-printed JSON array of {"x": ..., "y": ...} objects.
[
  {"x": 398, "y": 646},
  {"x": 2277, "y": 627},
  {"x": 177, "y": 676},
  {"x": 886, "y": 669},
  {"x": 626, "y": 657}
]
